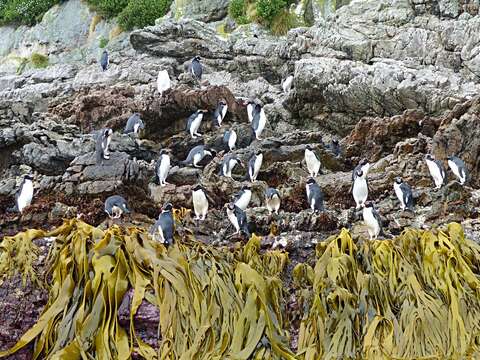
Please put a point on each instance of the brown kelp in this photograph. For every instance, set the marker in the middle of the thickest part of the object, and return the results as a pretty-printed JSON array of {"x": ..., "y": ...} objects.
[
  {"x": 212, "y": 304},
  {"x": 414, "y": 297}
]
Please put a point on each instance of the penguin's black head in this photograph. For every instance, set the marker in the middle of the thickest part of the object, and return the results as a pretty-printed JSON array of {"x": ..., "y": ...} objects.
[
  {"x": 359, "y": 173},
  {"x": 197, "y": 58},
  {"x": 311, "y": 181},
  {"x": 363, "y": 162},
  {"x": 167, "y": 207},
  {"x": 246, "y": 187},
  {"x": 258, "y": 152},
  {"x": 309, "y": 147},
  {"x": 368, "y": 204},
  {"x": 249, "y": 102},
  {"x": 450, "y": 157},
  {"x": 223, "y": 102},
  {"x": 28, "y": 177},
  {"x": 258, "y": 107},
  {"x": 164, "y": 151},
  {"x": 107, "y": 132},
  {"x": 429, "y": 157},
  {"x": 197, "y": 187},
  {"x": 335, "y": 141},
  {"x": 230, "y": 206},
  {"x": 398, "y": 180}
]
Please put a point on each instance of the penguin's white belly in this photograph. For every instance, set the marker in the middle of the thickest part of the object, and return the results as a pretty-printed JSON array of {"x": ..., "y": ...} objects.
[
  {"x": 287, "y": 84},
  {"x": 257, "y": 165},
  {"x": 313, "y": 164},
  {"x": 371, "y": 223},
  {"x": 163, "y": 81},
  {"x": 273, "y": 204},
  {"x": 244, "y": 200},
  {"x": 399, "y": 194},
  {"x": 164, "y": 168},
  {"x": 308, "y": 192},
  {"x": 232, "y": 140},
  {"x": 135, "y": 128},
  {"x": 456, "y": 171},
  {"x": 106, "y": 144},
  {"x": 197, "y": 158},
  {"x": 435, "y": 172},
  {"x": 360, "y": 190},
  {"x": 200, "y": 203},
  {"x": 160, "y": 232},
  {"x": 231, "y": 165},
  {"x": 250, "y": 112},
  {"x": 195, "y": 124},
  {"x": 261, "y": 124},
  {"x": 25, "y": 198},
  {"x": 224, "y": 111},
  {"x": 233, "y": 219}
]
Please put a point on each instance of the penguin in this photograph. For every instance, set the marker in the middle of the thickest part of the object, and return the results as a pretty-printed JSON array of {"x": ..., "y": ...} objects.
[
  {"x": 335, "y": 148},
  {"x": 254, "y": 165},
  {"x": 251, "y": 108},
  {"x": 193, "y": 123},
  {"x": 372, "y": 220},
  {"x": 196, "y": 68},
  {"x": 164, "y": 227},
  {"x": 220, "y": 112},
  {"x": 230, "y": 139},
  {"x": 200, "y": 202},
  {"x": 363, "y": 165},
  {"x": 313, "y": 162},
  {"x": 228, "y": 163},
  {"x": 458, "y": 168},
  {"x": 162, "y": 167},
  {"x": 360, "y": 189},
  {"x": 272, "y": 199},
  {"x": 24, "y": 194},
  {"x": 243, "y": 197},
  {"x": 238, "y": 218},
  {"x": 163, "y": 82},
  {"x": 134, "y": 124},
  {"x": 314, "y": 195},
  {"x": 404, "y": 194},
  {"x": 287, "y": 84},
  {"x": 116, "y": 206},
  {"x": 104, "y": 60},
  {"x": 437, "y": 171},
  {"x": 259, "y": 121},
  {"x": 196, "y": 155},
  {"x": 102, "y": 144}
]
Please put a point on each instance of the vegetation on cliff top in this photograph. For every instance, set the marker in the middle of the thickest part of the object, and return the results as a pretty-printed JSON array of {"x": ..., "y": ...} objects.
[
  {"x": 26, "y": 12},
  {"x": 416, "y": 296}
]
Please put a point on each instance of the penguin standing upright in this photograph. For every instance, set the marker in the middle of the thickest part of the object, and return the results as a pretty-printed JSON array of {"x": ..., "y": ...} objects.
[
  {"x": 360, "y": 189},
  {"x": 200, "y": 202},
  {"x": 287, "y": 84},
  {"x": 230, "y": 139},
  {"x": 104, "y": 60},
  {"x": 196, "y": 68},
  {"x": 372, "y": 220},
  {"x": 238, "y": 218},
  {"x": 134, "y": 124},
  {"x": 164, "y": 227},
  {"x": 24, "y": 194},
  {"x": 458, "y": 168},
  {"x": 314, "y": 195},
  {"x": 404, "y": 194},
  {"x": 220, "y": 112},
  {"x": 162, "y": 168},
  {"x": 228, "y": 163},
  {"x": 272, "y": 200},
  {"x": 102, "y": 144},
  {"x": 193, "y": 123},
  {"x": 116, "y": 206},
  {"x": 254, "y": 165},
  {"x": 313, "y": 163},
  {"x": 437, "y": 171},
  {"x": 259, "y": 121},
  {"x": 163, "y": 81},
  {"x": 196, "y": 155},
  {"x": 243, "y": 197},
  {"x": 251, "y": 108},
  {"x": 363, "y": 165},
  {"x": 335, "y": 148}
]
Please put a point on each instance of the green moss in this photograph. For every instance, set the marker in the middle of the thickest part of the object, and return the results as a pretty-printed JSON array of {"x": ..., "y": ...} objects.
[
  {"x": 27, "y": 12},
  {"x": 102, "y": 43},
  {"x": 108, "y": 8},
  {"x": 39, "y": 61},
  {"x": 143, "y": 13}
]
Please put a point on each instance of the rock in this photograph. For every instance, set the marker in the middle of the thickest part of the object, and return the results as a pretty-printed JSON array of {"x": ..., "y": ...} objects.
[{"x": 201, "y": 10}]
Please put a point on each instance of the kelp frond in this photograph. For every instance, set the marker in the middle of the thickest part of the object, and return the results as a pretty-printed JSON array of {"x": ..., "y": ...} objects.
[
  {"x": 211, "y": 305},
  {"x": 413, "y": 297}
]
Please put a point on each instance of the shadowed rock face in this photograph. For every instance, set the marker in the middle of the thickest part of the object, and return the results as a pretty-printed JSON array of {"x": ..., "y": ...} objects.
[{"x": 391, "y": 82}]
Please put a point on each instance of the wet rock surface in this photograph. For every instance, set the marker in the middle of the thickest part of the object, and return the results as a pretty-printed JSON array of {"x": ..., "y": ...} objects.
[{"x": 392, "y": 81}]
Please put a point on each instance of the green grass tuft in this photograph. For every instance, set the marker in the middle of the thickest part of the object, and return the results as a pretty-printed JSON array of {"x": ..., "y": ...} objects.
[
  {"x": 102, "y": 43},
  {"x": 39, "y": 61},
  {"x": 139, "y": 14},
  {"x": 283, "y": 22}
]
